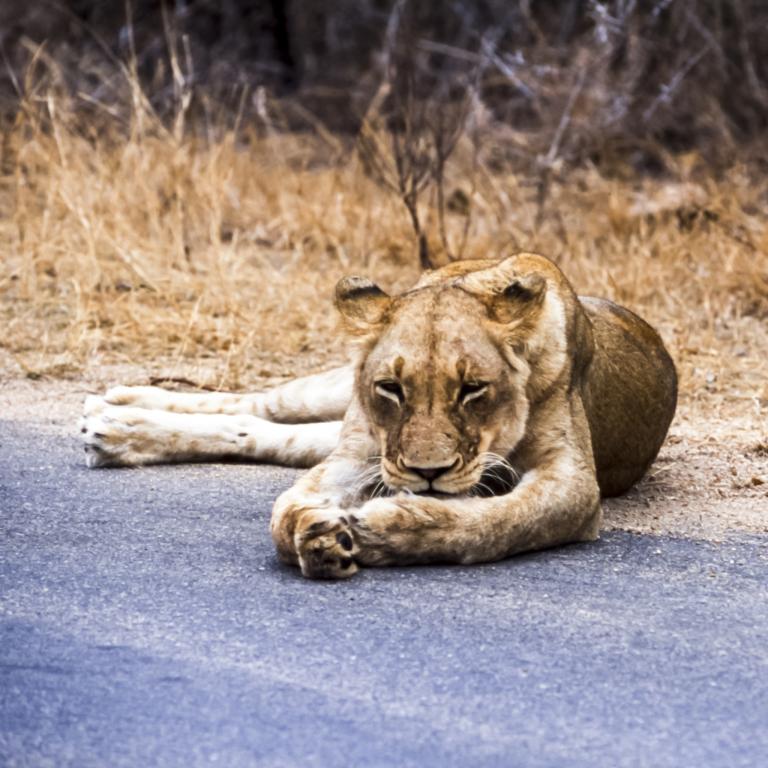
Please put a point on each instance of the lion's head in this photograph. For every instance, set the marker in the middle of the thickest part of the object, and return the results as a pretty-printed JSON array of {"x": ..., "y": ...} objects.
[{"x": 450, "y": 370}]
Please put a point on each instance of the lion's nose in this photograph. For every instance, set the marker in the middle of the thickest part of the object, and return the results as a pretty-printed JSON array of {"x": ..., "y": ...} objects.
[{"x": 431, "y": 473}]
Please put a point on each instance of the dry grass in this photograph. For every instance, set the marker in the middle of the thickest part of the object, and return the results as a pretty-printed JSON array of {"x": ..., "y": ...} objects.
[{"x": 127, "y": 242}]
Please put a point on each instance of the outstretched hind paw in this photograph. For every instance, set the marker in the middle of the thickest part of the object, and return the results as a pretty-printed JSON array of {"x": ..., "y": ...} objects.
[{"x": 121, "y": 436}]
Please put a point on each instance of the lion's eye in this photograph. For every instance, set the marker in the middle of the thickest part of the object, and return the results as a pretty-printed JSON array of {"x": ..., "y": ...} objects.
[
  {"x": 471, "y": 390},
  {"x": 390, "y": 389}
]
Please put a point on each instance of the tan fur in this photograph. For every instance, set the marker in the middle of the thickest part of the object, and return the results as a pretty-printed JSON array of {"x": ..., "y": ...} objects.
[
  {"x": 486, "y": 412},
  {"x": 576, "y": 398}
]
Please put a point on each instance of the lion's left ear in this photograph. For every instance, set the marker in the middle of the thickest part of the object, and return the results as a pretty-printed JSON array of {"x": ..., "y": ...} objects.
[
  {"x": 518, "y": 296},
  {"x": 507, "y": 293},
  {"x": 361, "y": 303}
]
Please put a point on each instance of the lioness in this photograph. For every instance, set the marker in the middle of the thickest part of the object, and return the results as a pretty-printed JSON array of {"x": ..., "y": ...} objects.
[{"x": 487, "y": 410}]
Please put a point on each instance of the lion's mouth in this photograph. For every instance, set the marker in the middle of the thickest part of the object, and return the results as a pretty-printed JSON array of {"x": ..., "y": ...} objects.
[
  {"x": 433, "y": 494},
  {"x": 439, "y": 492},
  {"x": 493, "y": 477},
  {"x": 391, "y": 487}
]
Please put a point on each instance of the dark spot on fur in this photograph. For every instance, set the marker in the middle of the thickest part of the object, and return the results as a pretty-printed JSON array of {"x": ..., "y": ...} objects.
[
  {"x": 345, "y": 562},
  {"x": 242, "y": 434},
  {"x": 345, "y": 540},
  {"x": 353, "y": 519},
  {"x": 84, "y": 430}
]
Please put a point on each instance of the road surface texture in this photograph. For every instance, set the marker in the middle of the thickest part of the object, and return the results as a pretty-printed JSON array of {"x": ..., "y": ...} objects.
[{"x": 145, "y": 621}]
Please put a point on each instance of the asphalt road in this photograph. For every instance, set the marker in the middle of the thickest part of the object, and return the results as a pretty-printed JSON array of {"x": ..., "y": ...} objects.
[{"x": 144, "y": 621}]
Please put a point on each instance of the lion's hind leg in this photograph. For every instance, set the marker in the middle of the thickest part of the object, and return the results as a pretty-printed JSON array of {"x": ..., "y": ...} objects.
[
  {"x": 129, "y": 436},
  {"x": 321, "y": 397},
  {"x": 159, "y": 399}
]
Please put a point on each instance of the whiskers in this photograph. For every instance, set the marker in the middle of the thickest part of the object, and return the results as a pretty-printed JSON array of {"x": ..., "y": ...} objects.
[
  {"x": 498, "y": 476},
  {"x": 380, "y": 490},
  {"x": 370, "y": 483}
]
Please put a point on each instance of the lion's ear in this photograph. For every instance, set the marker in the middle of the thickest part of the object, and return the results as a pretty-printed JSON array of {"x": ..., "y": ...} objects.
[
  {"x": 507, "y": 293},
  {"x": 519, "y": 295},
  {"x": 361, "y": 303}
]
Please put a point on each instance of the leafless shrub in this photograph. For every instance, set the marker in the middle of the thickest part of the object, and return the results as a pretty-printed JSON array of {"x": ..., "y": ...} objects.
[{"x": 417, "y": 117}]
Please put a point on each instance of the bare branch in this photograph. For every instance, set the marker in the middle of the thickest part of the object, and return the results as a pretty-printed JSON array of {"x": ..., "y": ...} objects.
[
  {"x": 423, "y": 110},
  {"x": 547, "y": 163}
]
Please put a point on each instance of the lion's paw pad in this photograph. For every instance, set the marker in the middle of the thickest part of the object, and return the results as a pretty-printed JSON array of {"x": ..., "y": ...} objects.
[{"x": 327, "y": 549}]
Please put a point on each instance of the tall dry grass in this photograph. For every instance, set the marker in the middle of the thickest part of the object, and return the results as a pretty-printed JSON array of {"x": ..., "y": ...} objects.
[{"x": 127, "y": 239}]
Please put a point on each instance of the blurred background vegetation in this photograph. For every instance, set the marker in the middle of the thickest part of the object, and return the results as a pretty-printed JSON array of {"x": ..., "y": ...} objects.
[
  {"x": 646, "y": 77},
  {"x": 182, "y": 182}
]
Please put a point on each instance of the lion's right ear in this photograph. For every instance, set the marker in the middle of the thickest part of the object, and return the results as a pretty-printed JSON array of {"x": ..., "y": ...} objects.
[{"x": 361, "y": 303}]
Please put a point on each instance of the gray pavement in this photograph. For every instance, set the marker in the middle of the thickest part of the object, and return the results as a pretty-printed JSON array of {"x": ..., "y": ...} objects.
[{"x": 144, "y": 621}]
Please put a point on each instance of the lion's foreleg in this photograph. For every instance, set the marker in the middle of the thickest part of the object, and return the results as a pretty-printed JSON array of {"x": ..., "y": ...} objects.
[
  {"x": 549, "y": 507},
  {"x": 320, "y": 498},
  {"x": 534, "y": 516},
  {"x": 321, "y": 397},
  {"x": 124, "y": 436}
]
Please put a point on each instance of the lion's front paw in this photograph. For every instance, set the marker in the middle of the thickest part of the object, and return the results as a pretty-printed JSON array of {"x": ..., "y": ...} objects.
[{"x": 326, "y": 547}]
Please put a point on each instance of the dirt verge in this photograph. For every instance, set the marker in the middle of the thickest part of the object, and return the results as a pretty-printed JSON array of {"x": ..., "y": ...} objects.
[{"x": 710, "y": 480}]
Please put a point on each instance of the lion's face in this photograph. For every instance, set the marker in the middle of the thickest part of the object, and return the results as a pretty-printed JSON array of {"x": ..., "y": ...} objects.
[
  {"x": 444, "y": 380},
  {"x": 437, "y": 389}
]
